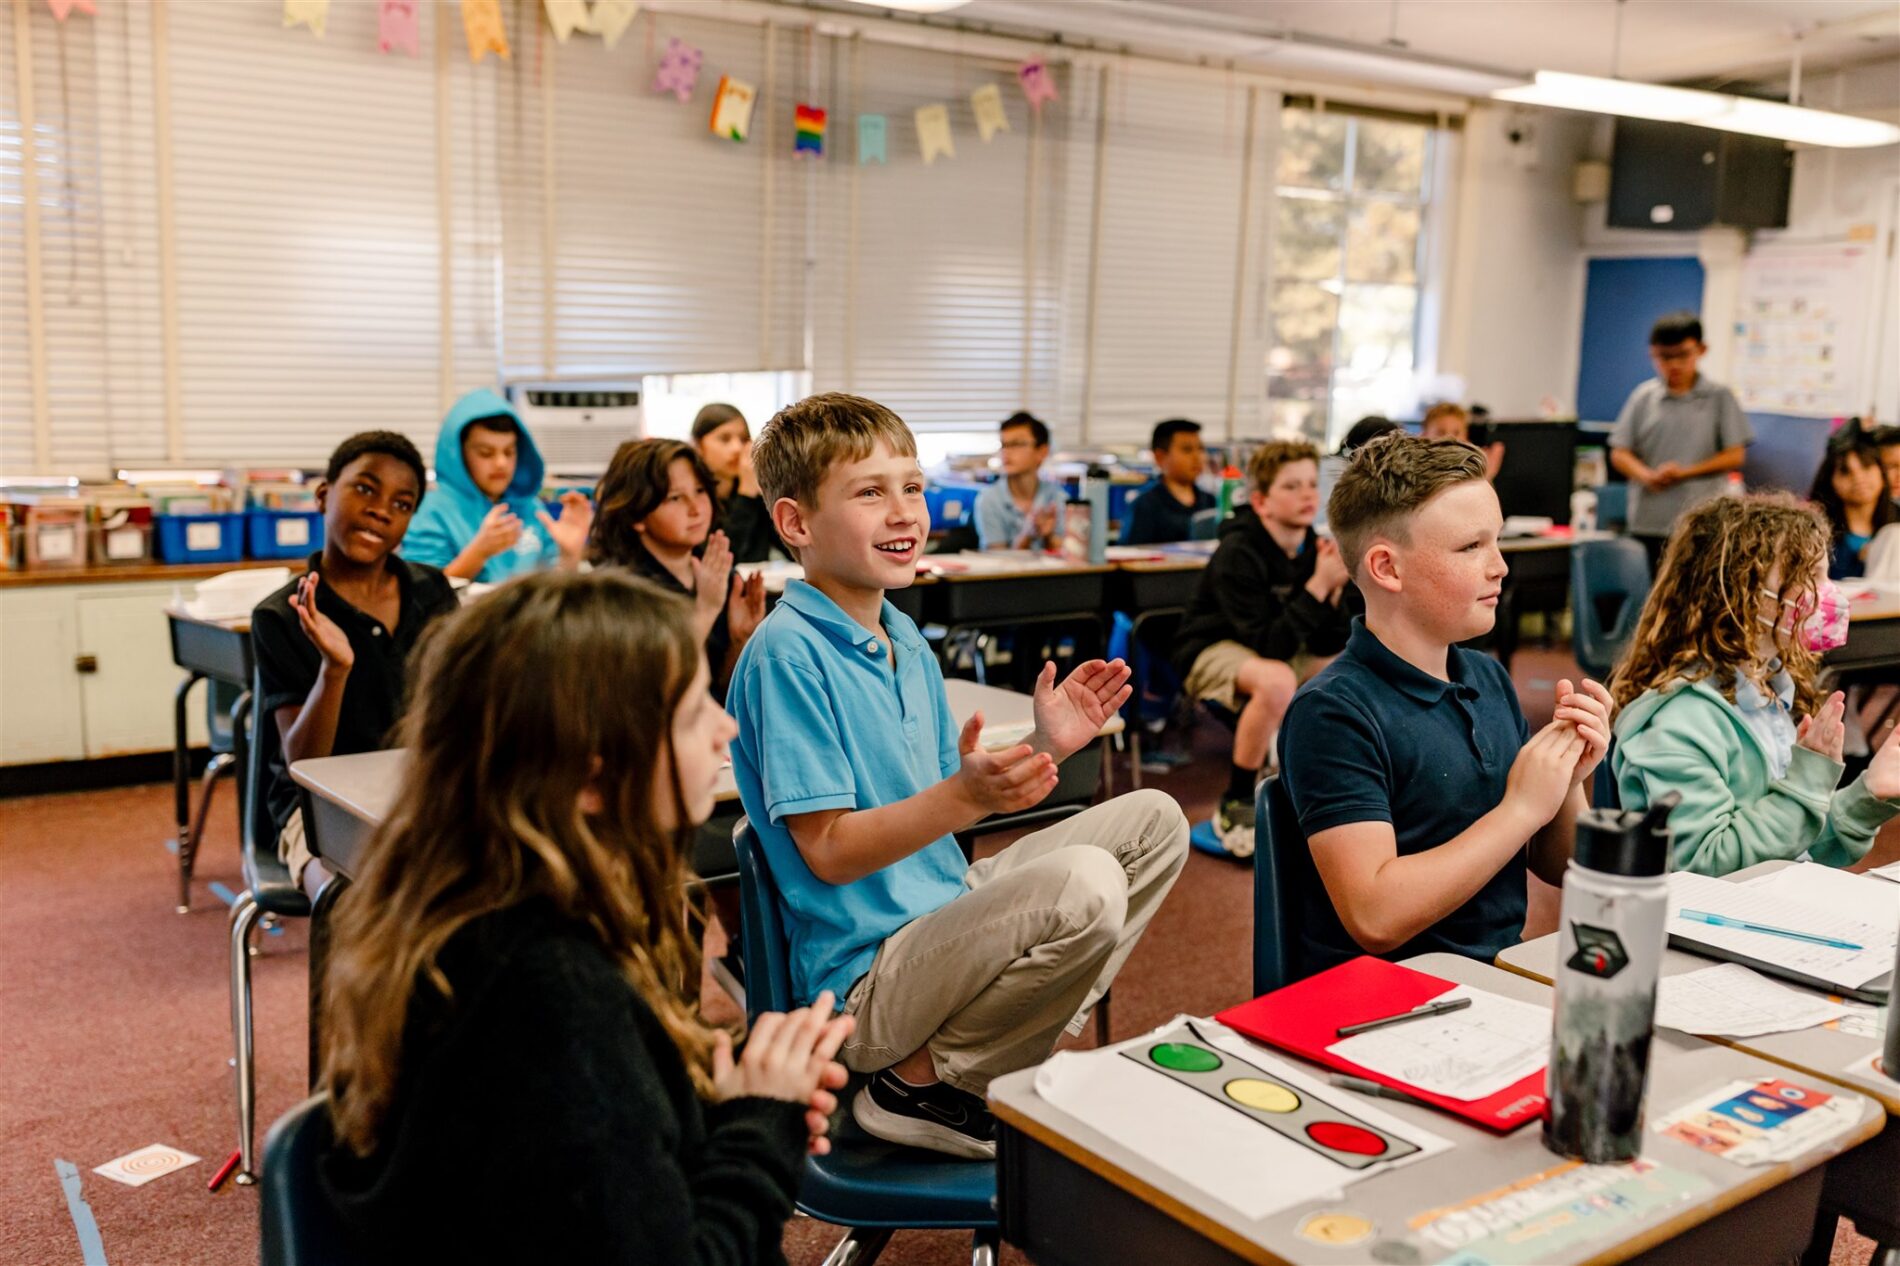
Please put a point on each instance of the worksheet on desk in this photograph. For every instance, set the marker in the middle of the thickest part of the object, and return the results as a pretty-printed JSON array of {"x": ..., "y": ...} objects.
[
  {"x": 1730, "y": 1000},
  {"x": 1768, "y": 906},
  {"x": 1468, "y": 1054}
]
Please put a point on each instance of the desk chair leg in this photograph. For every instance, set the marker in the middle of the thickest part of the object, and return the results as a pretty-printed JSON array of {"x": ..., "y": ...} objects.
[
  {"x": 319, "y": 955},
  {"x": 221, "y": 764},
  {"x": 1101, "y": 1021},
  {"x": 983, "y": 1248},
  {"x": 860, "y": 1248},
  {"x": 243, "y": 918}
]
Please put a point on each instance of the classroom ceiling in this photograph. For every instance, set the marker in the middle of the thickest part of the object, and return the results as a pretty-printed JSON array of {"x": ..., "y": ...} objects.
[{"x": 1707, "y": 42}]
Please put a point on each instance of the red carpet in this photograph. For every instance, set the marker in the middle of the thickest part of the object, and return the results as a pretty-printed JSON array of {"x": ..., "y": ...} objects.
[{"x": 115, "y": 1017}]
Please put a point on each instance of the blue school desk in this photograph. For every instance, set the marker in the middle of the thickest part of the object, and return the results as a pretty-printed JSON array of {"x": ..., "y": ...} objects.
[
  {"x": 1863, "y": 1185},
  {"x": 1071, "y": 1197}
]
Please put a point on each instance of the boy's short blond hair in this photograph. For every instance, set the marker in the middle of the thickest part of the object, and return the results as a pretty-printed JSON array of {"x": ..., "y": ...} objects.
[
  {"x": 1446, "y": 409},
  {"x": 1276, "y": 455},
  {"x": 1387, "y": 482},
  {"x": 803, "y": 441}
]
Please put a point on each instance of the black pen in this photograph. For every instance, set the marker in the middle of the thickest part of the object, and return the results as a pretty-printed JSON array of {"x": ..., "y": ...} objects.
[
  {"x": 1359, "y": 1085},
  {"x": 1420, "y": 1012}
]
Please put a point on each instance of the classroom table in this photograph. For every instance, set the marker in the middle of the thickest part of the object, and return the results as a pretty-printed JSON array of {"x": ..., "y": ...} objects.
[
  {"x": 1146, "y": 589},
  {"x": 1873, "y": 630},
  {"x": 1071, "y": 1197},
  {"x": 1864, "y": 1185},
  {"x": 1013, "y": 590},
  {"x": 208, "y": 650}
]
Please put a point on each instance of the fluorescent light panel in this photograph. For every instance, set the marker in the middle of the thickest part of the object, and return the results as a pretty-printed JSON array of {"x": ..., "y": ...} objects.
[
  {"x": 1718, "y": 110},
  {"x": 913, "y": 6}
]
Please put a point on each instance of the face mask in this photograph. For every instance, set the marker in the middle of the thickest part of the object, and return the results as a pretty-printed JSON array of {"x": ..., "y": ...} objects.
[{"x": 1822, "y": 619}]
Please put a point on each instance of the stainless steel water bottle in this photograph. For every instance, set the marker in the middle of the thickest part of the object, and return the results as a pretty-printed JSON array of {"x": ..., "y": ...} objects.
[{"x": 1609, "y": 956}]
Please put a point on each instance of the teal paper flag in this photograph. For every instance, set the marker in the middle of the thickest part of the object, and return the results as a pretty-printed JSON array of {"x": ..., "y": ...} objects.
[{"x": 870, "y": 138}]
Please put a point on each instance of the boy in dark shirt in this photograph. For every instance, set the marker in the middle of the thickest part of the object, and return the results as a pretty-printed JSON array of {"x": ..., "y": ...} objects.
[
  {"x": 1165, "y": 510},
  {"x": 332, "y": 645}
]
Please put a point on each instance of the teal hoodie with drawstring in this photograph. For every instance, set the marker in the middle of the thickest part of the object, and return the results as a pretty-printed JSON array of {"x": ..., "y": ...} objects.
[
  {"x": 1734, "y": 813},
  {"x": 453, "y": 511}
]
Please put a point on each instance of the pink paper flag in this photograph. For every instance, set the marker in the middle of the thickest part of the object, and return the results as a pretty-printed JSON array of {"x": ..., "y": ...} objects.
[
  {"x": 1038, "y": 84},
  {"x": 679, "y": 69},
  {"x": 61, "y": 8},
  {"x": 396, "y": 26}
]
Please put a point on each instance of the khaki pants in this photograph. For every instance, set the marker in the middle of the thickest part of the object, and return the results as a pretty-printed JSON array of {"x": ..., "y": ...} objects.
[
  {"x": 991, "y": 981},
  {"x": 292, "y": 849}
]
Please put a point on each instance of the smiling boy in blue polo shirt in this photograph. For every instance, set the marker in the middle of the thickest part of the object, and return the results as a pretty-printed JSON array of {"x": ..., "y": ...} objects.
[
  {"x": 1419, "y": 789},
  {"x": 856, "y": 778}
]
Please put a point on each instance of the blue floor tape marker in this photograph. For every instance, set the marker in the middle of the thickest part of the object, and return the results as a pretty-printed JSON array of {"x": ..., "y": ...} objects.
[
  {"x": 92, "y": 1249},
  {"x": 229, "y": 898}
]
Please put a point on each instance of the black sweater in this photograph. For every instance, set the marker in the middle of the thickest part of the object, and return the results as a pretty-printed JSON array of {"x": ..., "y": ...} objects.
[
  {"x": 1252, "y": 593},
  {"x": 544, "y": 1116},
  {"x": 748, "y": 528}
]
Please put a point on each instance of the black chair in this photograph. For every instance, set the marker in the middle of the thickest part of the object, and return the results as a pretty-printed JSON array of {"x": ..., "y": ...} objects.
[
  {"x": 298, "y": 1226},
  {"x": 269, "y": 888},
  {"x": 225, "y": 708},
  {"x": 1275, "y": 914}
]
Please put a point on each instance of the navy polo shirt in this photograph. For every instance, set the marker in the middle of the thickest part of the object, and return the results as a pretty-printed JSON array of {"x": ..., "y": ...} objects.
[{"x": 1374, "y": 739}]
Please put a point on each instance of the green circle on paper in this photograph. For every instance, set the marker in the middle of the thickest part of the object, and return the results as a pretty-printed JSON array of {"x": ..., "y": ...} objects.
[{"x": 1181, "y": 1057}]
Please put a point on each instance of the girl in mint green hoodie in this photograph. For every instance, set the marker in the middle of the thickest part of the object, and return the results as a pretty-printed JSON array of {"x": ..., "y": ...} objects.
[{"x": 1723, "y": 660}]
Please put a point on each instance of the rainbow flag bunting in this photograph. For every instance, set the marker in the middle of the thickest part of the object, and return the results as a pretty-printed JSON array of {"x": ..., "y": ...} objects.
[{"x": 808, "y": 126}]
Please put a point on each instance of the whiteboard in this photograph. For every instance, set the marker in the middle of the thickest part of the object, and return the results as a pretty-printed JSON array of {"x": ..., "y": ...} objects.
[{"x": 1802, "y": 329}]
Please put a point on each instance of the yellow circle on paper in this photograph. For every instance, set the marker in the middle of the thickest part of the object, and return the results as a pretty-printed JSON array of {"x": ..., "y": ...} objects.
[
  {"x": 1335, "y": 1228},
  {"x": 1266, "y": 1096}
]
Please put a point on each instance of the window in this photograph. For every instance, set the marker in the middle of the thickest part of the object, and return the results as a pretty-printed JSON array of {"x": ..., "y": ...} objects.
[{"x": 1346, "y": 270}]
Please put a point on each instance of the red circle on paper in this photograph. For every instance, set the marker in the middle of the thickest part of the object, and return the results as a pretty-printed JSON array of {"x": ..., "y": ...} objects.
[{"x": 1342, "y": 1137}]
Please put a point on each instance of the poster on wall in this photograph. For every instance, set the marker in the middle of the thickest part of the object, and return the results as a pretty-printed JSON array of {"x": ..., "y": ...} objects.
[{"x": 1801, "y": 330}]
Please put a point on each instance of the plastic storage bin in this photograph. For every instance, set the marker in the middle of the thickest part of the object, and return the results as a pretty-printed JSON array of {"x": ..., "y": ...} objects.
[
  {"x": 283, "y": 533},
  {"x": 951, "y": 505},
  {"x": 201, "y": 538}
]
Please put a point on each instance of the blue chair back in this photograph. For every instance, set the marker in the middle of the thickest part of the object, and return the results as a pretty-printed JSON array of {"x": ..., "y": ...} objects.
[
  {"x": 1613, "y": 506},
  {"x": 864, "y": 1182},
  {"x": 1276, "y": 928},
  {"x": 298, "y": 1226},
  {"x": 1603, "y": 790},
  {"x": 265, "y": 874},
  {"x": 1609, "y": 581},
  {"x": 1204, "y": 526}
]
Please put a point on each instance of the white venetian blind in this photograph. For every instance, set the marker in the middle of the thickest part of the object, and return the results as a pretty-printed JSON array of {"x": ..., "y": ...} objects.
[
  {"x": 1170, "y": 224},
  {"x": 647, "y": 244},
  {"x": 940, "y": 312},
  {"x": 306, "y": 229},
  {"x": 57, "y": 80}
]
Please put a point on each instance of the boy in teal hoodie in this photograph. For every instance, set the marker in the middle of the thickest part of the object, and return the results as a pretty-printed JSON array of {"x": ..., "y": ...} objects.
[
  {"x": 1719, "y": 727},
  {"x": 487, "y": 485}
]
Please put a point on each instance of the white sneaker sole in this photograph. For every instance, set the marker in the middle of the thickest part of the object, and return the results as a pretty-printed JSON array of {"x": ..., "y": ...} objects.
[{"x": 910, "y": 1132}]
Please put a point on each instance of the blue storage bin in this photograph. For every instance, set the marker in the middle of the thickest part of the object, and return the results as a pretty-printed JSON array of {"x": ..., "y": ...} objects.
[
  {"x": 1120, "y": 497},
  {"x": 951, "y": 505},
  {"x": 283, "y": 533},
  {"x": 200, "y": 538}
]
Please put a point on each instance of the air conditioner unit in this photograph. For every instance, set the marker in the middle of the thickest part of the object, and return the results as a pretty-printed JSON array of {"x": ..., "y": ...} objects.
[{"x": 578, "y": 425}]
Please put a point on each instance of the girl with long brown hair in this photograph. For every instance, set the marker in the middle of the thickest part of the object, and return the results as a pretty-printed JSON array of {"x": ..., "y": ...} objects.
[
  {"x": 657, "y": 508},
  {"x": 515, "y": 1070},
  {"x": 1726, "y": 655}
]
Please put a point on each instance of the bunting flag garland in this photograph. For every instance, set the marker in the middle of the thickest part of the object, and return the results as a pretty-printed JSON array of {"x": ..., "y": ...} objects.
[
  {"x": 987, "y": 102},
  {"x": 808, "y": 131},
  {"x": 61, "y": 8},
  {"x": 613, "y": 17},
  {"x": 310, "y": 13},
  {"x": 1038, "y": 84},
  {"x": 871, "y": 133},
  {"x": 732, "y": 108},
  {"x": 933, "y": 133},
  {"x": 481, "y": 24},
  {"x": 678, "y": 72},
  {"x": 567, "y": 17},
  {"x": 396, "y": 26}
]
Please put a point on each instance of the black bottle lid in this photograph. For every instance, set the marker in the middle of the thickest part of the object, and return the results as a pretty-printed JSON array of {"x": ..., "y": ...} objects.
[{"x": 1629, "y": 842}]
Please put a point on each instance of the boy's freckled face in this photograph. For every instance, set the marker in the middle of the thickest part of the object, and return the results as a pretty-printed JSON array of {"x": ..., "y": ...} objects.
[
  {"x": 1292, "y": 499},
  {"x": 1452, "y": 570},
  {"x": 870, "y": 524}
]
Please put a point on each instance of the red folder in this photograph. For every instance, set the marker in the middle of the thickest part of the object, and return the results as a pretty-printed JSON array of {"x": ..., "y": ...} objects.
[{"x": 1305, "y": 1018}]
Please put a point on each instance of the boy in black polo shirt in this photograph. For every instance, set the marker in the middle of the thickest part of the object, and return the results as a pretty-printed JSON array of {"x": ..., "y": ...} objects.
[
  {"x": 332, "y": 645},
  {"x": 1165, "y": 510},
  {"x": 1419, "y": 789}
]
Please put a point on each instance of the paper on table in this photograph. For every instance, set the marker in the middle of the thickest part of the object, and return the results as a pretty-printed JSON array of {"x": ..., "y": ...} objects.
[
  {"x": 1851, "y": 968},
  {"x": 1729, "y": 1000},
  {"x": 1467, "y": 1054},
  {"x": 1889, "y": 872},
  {"x": 1836, "y": 891},
  {"x": 1232, "y": 1158}
]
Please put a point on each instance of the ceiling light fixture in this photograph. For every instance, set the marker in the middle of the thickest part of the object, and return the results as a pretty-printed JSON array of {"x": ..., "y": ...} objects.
[
  {"x": 1720, "y": 110},
  {"x": 913, "y": 6}
]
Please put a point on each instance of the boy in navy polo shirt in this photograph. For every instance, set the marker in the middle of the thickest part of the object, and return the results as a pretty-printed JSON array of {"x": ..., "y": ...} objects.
[
  {"x": 1418, "y": 787},
  {"x": 855, "y": 777}
]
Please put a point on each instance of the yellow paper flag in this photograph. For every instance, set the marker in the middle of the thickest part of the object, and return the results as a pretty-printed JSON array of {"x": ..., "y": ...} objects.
[
  {"x": 567, "y": 17},
  {"x": 310, "y": 13},
  {"x": 613, "y": 17},
  {"x": 987, "y": 101},
  {"x": 481, "y": 23},
  {"x": 933, "y": 133}
]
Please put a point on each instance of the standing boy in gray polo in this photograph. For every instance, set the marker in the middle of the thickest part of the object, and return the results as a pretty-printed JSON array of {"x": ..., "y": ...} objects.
[{"x": 1678, "y": 436}]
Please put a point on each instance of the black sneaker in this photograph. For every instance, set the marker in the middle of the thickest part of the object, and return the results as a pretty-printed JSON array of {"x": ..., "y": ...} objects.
[{"x": 938, "y": 1117}]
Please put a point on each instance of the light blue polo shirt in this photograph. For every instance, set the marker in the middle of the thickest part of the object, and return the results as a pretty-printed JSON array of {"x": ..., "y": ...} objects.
[{"x": 825, "y": 722}]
